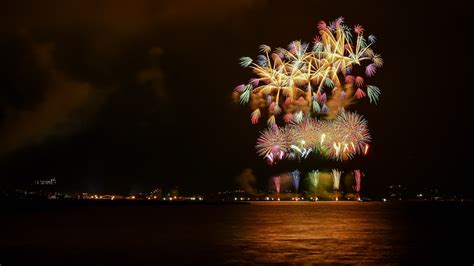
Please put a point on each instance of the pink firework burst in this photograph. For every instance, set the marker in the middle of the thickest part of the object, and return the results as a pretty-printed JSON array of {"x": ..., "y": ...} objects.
[
  {"x": 370, "y": 70},
  {"x": 358, "y": 29},
  {"x": 359, "y": 81},
  {"x": 359, "y": 93}
]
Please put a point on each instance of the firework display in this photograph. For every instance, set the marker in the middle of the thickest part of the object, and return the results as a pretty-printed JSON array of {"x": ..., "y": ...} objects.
[
  {"x": 313, "y": 177},
  {"x": 336, "y": 174},
  {"x": 310, "y": 88},
  {"x": 296, "y": 179},
  {"x": 357, "y": 176},
  {"x": 319, "y": 79},
  {"x": 338, "y": 139},
  {"x": 277, "y": 182}
]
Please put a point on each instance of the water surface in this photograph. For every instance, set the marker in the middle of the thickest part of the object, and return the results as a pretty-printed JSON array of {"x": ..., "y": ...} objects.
[{"x": 288, "y": 233}]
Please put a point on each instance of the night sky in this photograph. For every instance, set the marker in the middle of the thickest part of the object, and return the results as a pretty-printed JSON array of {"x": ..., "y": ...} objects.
[{"x": 125, "y": 96}]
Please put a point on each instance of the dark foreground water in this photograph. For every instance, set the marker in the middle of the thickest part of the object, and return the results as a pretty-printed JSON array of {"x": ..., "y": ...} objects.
[{"x": 292, "y": 233}]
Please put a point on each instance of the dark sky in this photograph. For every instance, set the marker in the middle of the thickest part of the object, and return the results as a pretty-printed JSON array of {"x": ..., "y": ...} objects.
[{"x": 128, "y": 95}]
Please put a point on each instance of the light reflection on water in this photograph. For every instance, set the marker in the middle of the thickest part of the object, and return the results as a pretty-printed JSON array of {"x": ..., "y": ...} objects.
[
  {"x": 280, "y": 232},
  {"x": 330, "y": 232}
]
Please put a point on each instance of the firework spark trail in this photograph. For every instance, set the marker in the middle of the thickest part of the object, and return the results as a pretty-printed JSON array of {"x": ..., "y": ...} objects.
[
  {"x": 296, "y": 179},
  {"x": 313, "y": 177},
  {"x": 277, "y": 182},
  {"x": 336, "y": 174},
  {"x": 357, "y": 178},
  {"x": 317, "y": 79}
]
